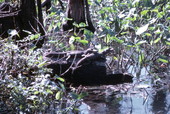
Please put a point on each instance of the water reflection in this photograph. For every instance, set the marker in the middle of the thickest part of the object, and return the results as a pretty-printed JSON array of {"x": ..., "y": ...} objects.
[
  {"x": 130, "y": 103},
  {"x": 137, "y": 98},
  {"x": 160, "y": 105}
]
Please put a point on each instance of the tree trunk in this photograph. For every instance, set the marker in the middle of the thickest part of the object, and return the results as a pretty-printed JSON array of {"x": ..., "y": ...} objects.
[
  {"x": 78, "y": 11},
  {"x": 28, "y": 17}
]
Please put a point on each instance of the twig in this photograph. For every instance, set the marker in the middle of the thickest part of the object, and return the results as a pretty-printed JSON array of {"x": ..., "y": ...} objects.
[
  {"x": 71, "y": 66},
  {"x": 153, "y": 57}
]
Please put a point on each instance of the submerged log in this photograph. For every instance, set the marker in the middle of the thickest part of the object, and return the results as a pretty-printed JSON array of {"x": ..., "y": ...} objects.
[{"x": 84, "y": 68}]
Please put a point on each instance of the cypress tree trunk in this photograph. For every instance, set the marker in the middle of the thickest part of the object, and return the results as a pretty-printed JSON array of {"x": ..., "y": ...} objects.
[
  {"x": 28, "y": 16},
  {"x": 78, "y": 11}
]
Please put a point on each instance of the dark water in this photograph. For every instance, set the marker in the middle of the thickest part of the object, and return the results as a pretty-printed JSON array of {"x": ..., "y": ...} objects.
[{"x": 137, "y": 98}]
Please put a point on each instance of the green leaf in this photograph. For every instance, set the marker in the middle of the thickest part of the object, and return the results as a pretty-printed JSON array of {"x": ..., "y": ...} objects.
[
  {"x": 58, "y": 95},
  {"x": 115, "y": 58},
  {"x": 168, "y": 18},
  {"x": 74, "y": 95},
  {"x": 69, "y": 19},
  {"x": 24, "y": 88},
  {"x": 157, "y": 40},
  {"x": 160, "y": 14},
  {"x": 163, "y": 60},
  {"x": 60, "y": 79},
  {"x": 42, "y": 64},
  {"x": 33, "y": 37},
  {"x": 168, "y": 43},
  {"x": 141, "y": 58},
  {"x": 83, "y": 41},
  {"x": 52, "y": 14},
  {"x": 82, "y": 24},
  {"x": 148, "y": 34},
  {"x": 82, "y": 95},
  {"x": 77, "y": 38},
  {"x": 141, "y": 42},
  {"x": 135, "y": 2},
  {"x": 71, "y": 40},
  {"x": 155, "y": 10},
  {"x": 12, "y": 32},
  {"x": 158, "y": 31},
  {"x": 144, "y": 12},
  {"x": 142, "y": 29},
  {"x": 49, "y": 91},
  {"x": 116, "y": 39},
  {"x": 36, "y": 92},
  {"x": 123, "y": 33}
]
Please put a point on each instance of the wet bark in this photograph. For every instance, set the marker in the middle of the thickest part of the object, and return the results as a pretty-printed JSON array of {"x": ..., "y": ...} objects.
[{"x": 84, "y": 68}]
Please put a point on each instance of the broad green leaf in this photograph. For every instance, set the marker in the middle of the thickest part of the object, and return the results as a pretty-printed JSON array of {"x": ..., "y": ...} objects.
[
  {"x": 49, "y": 91},
  {"x": 142, "y": 29},
  {"x": 24, "y": 88},
  {"x": 115, "y": 58},
  {"x": 158, "y": 31},
  {"x": 148, "y": 34},
  {"x": 155, "y": 10},
  {"x": 168, "y": 43},
  {"x": 168, "y": 18},
  {"x": 58, "y": 95},
  {"x": 144, "y": 12},
  {"x": 36, "y": 92},
  {"x": 160, "y": 14},
  {"x": 77, "y": 38},
  {"x": 76, "y": 25}
]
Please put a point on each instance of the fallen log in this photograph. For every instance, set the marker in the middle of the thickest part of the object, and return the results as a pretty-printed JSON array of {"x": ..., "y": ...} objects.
[{"x": 84, "y": 68}]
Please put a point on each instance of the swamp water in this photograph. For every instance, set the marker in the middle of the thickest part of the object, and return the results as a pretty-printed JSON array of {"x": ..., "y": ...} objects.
[{"x": 139, "y": 97}]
